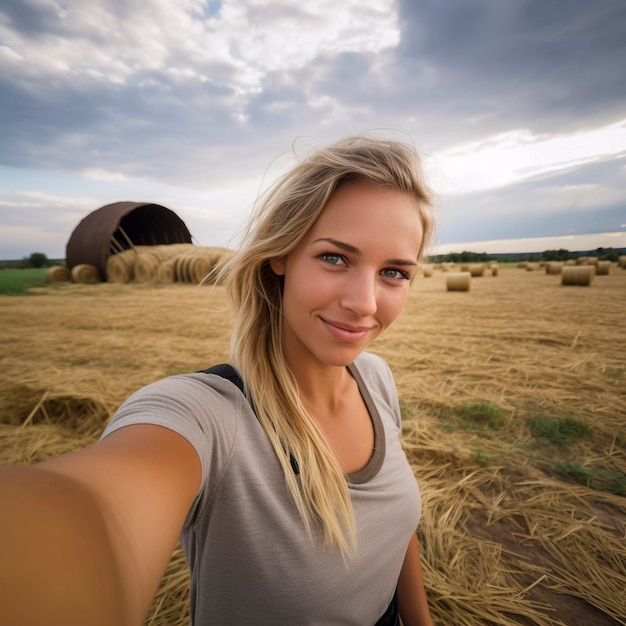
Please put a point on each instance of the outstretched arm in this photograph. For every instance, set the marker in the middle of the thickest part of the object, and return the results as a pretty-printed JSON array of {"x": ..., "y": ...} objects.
[
  {"x": 85, "y": 538},
  {"x": 412, "y": 601}
]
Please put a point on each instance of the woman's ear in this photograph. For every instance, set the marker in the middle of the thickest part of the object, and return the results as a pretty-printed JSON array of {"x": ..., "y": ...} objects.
[{"x": 278, "y": 265}]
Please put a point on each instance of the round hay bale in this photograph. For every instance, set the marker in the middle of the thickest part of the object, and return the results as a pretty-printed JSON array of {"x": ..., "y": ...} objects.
[
  {"x": 179, "y": 272},
  {"x": 146, "y": 267},
  {"x": 121, "y": 267},
  {"x": 477, "y": 269},
  {"x": 458, "y": 281},
  {"x": 427, "y": 270},
  {"x": 522, "y": 264},
  {"x": 188, "y": 261},
  {"x": 531, "y": 267},
  {"x": 587, "y": 260},
  {"x": 85, "y": 273},
  {"x": 58, "y": 274},
  {"x": 164, "y": 252},
  {"x": 570, "y": 262},
  {"x": 182, "y": 267},
  {"x": 603, "y": 268},
  {"x": 202, "y": 265},
  {"x": 554, "y": 267},
  {"x": 579, "y": 275},
  {"x": 495, "y": 269},
  {"x": 165, "y": 274},
  {"x": 621, "y": 261}
]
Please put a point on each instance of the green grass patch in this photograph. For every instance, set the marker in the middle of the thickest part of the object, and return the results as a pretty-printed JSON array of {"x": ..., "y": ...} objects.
[
  {"x": 559, "y": 431},
  {"x": 17, "y": 282},
  {"x": 482, "y": 414},
  {"x": 474, "y": 417},
  {"x": 76, "y": 362},
  {"x": 523, "y": 446},
  {"x": 406, "y": 411},
  {"x": 609, "y": 480},
  {"x": 484, "y": 458},
  {"x": 617, "y": 373}
]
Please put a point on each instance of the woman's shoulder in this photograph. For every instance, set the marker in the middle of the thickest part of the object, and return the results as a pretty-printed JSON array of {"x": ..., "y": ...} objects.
[
  {"x": 184, "y": 403},
  {"x": 204, "y": 409},
  {"x": 186, "y": 390}
]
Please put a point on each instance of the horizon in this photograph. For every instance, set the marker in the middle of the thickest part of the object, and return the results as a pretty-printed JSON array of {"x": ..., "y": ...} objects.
[{"x": 533, "y": 245}]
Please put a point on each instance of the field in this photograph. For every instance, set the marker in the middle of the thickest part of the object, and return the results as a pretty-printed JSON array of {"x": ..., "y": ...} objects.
[
  {"x": 19, "y": 281},
  {"x": 514, "y": 401}
]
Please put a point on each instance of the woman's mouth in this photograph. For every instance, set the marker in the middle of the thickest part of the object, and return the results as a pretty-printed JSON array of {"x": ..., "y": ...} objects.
[{"x": 346, "y": 333}]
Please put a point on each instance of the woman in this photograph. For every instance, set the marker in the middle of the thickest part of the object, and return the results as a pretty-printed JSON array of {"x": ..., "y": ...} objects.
[{"x": 295, "y": 500}]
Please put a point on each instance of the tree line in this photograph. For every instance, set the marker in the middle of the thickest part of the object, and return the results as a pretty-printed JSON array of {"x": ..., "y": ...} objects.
[
  {"x": 603, "y": 254},
  {"x": 34, "y": 260}
]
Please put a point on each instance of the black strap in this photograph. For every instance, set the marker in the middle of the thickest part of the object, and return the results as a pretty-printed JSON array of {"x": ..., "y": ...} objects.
[
  {"x": 390, "y": 617},
  {"x": 227, "y": 371}
]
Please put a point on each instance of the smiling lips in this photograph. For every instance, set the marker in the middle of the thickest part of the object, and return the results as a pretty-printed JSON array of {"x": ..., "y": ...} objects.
[{"x": 346, "y": 333}]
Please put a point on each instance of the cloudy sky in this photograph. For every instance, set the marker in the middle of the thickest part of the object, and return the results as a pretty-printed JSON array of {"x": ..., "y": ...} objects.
[{"x": 518, "y": 106}]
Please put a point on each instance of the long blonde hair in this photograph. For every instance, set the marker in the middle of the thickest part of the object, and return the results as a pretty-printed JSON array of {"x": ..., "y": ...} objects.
[{"x": 282, "y": 218}]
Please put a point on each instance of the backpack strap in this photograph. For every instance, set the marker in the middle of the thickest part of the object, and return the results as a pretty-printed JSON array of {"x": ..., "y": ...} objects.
[{"x": 227, "y": 371}]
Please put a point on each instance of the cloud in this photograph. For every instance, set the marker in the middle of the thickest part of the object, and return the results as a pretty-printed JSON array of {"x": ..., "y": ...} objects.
[
  {"x": 189, "y": 102},
  {"x": 142, "y": 83},
  {"x": 137, "y": 81},
  {"x": 519, "y": 154},
  {"x": 499, "y": 66},
  {"x": 582, "y": 199}
]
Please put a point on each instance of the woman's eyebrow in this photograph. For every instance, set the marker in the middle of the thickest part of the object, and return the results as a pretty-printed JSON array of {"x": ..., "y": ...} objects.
[
  {"x": 346, "y": 247},
  {"x": 340, "y": 244}
]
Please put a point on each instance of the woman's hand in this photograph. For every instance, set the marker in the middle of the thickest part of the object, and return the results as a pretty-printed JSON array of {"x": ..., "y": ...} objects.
[{"x": 85, "y": 538}]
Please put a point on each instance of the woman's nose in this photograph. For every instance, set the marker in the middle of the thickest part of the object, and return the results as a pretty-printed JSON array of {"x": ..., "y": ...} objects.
[{"x": 359, "y": 295}]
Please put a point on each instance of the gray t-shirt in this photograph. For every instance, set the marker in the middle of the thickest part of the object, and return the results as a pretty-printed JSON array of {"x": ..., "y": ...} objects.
[{"x": 251, "y": 560}]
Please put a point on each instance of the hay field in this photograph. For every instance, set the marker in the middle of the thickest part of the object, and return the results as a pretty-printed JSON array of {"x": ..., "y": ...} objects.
[{"x": 514, "y": 396}]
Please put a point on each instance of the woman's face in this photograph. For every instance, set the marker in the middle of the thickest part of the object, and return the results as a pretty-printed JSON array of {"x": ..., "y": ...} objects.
[{"x": 348, "y": 279}]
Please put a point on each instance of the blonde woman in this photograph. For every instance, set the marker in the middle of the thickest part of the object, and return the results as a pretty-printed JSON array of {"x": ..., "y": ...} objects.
[{"x": 292, "y": 496}]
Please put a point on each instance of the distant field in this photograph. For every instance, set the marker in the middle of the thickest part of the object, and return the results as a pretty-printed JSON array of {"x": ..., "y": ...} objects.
[
  {"x": 14, "y": 281},
  {"x": 514, "y": 404}
]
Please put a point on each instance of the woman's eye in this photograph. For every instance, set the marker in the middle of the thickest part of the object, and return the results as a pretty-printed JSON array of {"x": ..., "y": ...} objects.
[
  {"x": 395, "y": 274},
  {"x": 332, "y": 259}
]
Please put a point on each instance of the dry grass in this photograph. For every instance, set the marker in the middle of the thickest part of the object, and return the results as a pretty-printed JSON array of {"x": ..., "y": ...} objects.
[{"x": 507, "y": 538}]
